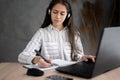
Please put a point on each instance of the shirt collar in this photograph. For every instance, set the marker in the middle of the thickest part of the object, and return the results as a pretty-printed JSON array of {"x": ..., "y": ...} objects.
[{"x": 51, "y": 27}]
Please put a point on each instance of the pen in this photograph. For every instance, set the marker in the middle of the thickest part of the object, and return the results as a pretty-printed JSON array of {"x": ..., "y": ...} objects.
[{"x": 39, "y": 54}]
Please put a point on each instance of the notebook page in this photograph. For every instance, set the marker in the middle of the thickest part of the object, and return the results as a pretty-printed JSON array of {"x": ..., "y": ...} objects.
[{"x": 58, "y": 63}]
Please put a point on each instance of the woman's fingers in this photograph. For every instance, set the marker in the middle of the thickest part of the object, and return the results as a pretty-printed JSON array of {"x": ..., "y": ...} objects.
[
  {"x": 86, "y": 57},
  {"x": 93, "y": 58},
  {"x": 43, "y": 64},
  {"x": 50, "y": 60}
]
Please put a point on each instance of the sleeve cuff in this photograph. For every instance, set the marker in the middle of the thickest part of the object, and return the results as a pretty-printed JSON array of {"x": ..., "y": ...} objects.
[
  {"x": 79, "y": 57},
  {"x": 29, "y": 60}
]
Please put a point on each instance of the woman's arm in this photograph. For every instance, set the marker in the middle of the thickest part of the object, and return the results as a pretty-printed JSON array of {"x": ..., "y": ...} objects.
[
  {"x": 27, "y": 55},
  {"x": 80, "y": 52}
]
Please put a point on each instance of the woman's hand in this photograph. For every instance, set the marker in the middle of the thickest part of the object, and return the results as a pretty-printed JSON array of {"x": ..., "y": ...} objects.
[
  {"x": 41, "y": 62},
  {"x": 87, "y": 57}
]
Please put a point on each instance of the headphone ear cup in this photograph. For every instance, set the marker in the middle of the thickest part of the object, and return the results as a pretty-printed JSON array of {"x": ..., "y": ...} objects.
[
  {"x": 49, "y": 11},
  {"x": 68, "y": 15}
]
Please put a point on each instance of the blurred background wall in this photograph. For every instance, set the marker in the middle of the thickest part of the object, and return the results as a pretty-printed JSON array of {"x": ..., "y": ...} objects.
[{"x": 20, "y": 19}]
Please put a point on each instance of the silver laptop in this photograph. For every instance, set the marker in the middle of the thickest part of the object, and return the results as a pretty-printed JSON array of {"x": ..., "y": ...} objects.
[{"x": 107, "y": 56}]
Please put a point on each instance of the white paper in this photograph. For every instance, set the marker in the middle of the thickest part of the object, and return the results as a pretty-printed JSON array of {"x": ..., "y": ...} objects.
[{"x": 59, "y": 62}]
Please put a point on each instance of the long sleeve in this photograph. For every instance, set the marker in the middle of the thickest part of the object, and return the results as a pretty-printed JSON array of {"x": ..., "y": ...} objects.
[
  {"x": 80, "y": 52},
  {"x": 28, "y": 53}
]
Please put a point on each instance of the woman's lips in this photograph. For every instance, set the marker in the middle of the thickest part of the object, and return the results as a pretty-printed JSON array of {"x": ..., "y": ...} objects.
[{"x": 57, "y": 20}]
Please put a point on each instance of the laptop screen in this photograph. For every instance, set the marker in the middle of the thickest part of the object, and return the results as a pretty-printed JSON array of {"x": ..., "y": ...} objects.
[{"x": 108, "y": 55}]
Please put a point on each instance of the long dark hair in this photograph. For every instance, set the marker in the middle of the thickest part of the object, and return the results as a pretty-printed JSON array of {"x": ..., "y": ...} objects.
[{"x": 68, "y": 22}]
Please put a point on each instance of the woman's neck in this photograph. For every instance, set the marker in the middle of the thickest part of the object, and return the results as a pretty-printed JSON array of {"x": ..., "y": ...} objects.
[{"x": 59, "y": 27}]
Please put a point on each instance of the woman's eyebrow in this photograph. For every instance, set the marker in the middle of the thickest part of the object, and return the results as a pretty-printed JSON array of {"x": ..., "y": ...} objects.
[{"x": 54, "y": 10}]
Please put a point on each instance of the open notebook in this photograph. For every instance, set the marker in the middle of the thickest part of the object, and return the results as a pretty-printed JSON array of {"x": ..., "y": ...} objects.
[{"x": 56, "y": 63}]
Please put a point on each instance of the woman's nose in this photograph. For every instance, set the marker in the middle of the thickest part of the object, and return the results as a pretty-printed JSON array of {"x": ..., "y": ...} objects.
[{"x": 58, "y": 15}]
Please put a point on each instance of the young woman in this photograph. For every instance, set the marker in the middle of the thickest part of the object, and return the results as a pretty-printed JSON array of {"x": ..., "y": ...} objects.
[{"x": 56, "y": 39}]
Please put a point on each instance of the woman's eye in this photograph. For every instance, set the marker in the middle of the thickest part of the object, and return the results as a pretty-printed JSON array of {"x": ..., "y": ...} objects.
[
  {"x": 62, "y": 14},
  {"x": 55, "y": 12}
]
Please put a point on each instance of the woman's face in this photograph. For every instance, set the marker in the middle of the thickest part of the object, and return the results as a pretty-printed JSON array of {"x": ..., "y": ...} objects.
[{"x": 58, "y": 14}]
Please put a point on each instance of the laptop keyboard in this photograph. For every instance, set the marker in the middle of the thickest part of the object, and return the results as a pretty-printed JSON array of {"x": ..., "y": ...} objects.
[{"x": 83, "y": 69}]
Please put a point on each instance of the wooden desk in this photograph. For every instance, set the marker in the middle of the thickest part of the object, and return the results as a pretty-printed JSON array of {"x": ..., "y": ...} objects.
[{"x": 15, "y": 71}]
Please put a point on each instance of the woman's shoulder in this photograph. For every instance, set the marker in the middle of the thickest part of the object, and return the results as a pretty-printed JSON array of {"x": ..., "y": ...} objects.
[
  {"x": 43, "y": 29},
  {"x": 77, "y": 33}
]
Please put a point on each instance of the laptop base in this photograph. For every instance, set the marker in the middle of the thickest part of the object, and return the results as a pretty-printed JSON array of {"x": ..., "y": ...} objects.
[{"x": 80, "y": 69}]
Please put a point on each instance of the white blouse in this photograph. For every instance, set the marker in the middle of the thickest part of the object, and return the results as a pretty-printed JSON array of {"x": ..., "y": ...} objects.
[{"x": 53, "y": 44}]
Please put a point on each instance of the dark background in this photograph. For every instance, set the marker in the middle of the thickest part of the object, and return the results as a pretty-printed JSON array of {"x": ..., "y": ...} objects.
[{"x": 20, "y": 19}]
